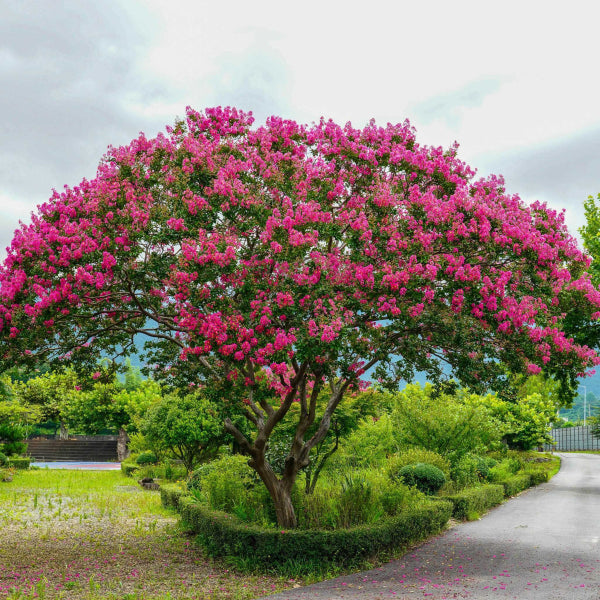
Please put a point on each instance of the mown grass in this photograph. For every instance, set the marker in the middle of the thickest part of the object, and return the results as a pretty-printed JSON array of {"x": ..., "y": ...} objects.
[{"x": 96, "y": 535}]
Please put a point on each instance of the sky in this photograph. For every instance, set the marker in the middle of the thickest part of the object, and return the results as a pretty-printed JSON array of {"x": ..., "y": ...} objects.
[{"x": 516, "y": 84}]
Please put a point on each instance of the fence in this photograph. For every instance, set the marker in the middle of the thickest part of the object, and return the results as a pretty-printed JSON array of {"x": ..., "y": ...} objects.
[{"x": 573, "y": 438}]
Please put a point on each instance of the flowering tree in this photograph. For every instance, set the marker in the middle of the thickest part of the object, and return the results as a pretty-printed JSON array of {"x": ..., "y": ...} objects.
[{"x": 276, "y": 262}]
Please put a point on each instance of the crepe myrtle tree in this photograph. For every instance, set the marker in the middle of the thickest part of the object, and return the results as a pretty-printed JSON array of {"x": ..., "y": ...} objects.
[{"x": 269, "y": 264}]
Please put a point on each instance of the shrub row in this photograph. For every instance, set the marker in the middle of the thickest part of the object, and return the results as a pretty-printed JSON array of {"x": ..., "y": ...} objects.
[
  {"x": 517, "y": 483},
  {"x": 222, "y": 534},
  {"x": 475, "y": 501}
]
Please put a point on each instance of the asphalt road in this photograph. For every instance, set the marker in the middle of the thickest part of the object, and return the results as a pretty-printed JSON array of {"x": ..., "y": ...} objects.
[{"x": 543, "y": 544}]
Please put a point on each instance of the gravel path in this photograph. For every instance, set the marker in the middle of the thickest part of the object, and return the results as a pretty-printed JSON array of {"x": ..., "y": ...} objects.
[{"x": 543, "y": 544}]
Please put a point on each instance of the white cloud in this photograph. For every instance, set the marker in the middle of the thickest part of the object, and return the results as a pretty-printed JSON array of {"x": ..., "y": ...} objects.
[{"x": 504, "y": 80}]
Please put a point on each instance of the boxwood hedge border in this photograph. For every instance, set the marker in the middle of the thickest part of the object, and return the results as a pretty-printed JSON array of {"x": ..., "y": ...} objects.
[
  {"x": 222, "y": 534},
  {"x": 473, "y": 502}
]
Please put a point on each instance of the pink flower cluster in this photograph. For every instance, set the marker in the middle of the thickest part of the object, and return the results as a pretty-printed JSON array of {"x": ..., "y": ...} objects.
[{"x": 288, "y": 244}]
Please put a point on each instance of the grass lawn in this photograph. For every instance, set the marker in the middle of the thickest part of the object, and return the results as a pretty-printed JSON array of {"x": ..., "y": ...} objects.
[{"x": 96, "y": 534}]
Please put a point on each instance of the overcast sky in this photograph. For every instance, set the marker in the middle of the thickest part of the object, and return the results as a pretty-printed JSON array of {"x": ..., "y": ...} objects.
[{"x": 515, "y": 83}]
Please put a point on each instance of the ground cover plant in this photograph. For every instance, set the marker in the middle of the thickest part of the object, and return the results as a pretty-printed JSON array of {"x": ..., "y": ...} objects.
[
  {"x": 97, "y": 535},
  {"x": 278, "y": 265}
]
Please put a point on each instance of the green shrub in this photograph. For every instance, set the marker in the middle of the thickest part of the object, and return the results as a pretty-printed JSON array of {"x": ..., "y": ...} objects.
[
  {"x": 6, "y": 475},
  {"x": 483, "y": 464},
  {"x": 195, "y": 480},
  {"x": 147, "y": 458},
  {"x": 14, "y": 448},
  {"x": 397, "y": 497},
  {"x": 3, "y": 460},
  {"x": 541, "y": 472},
  {"x": 129, "y": 467},
  {"x": 470, "y": 470},
  {"x": 368, "y": 446},
  {"x": 355, "y": 502},
  {"x": 19, "y": 462},
  {"x": 224, "y": 535},
  {"x": 12, "y": 432},
  {"x": 504, "y": 469},
  {"x": 413, "y": 456},
  {"x": 475, "y": 501},
  {"x": 230, "y": 485},
  {"x": 426, "y": 478},
  {"x": 515, "y": 484},
  {"x": 452, "y": 422},
  {"x": 170, "y": 495},
  {"x": 138, "y": 443},
  {"x": 539, "y": 476}
]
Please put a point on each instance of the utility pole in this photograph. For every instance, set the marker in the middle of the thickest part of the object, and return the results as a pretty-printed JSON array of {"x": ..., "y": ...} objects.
[{"x": 584, "y": 402}]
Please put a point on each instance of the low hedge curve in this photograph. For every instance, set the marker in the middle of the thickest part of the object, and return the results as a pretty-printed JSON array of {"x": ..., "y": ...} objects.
[{"x": 221, "y": 534}]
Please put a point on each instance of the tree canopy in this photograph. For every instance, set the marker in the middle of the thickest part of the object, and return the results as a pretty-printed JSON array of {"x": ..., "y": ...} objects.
[{"x": 276, "y": 262}]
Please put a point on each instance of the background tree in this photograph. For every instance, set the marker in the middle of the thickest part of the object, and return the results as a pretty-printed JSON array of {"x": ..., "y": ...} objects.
[
  {"x": 309, "y": 255},
  {"x": 577, "y": 322},
  {"x": 452, "y": 425},
  {"x": 111, "y": 406},
  {"x": 590, "y": 234},
  {"x": 51, "y": 393},
  {"x": 186, "y": 426}
]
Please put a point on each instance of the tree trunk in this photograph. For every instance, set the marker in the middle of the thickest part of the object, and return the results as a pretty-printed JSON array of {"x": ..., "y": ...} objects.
[
  {"x": 280, "y": 492},
  {"x": 284, "y": 510},
  {"x": 64, "y": 432},
  {"x": 122, "y": 450}
]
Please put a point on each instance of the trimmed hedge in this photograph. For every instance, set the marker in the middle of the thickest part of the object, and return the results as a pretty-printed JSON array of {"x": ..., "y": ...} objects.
[
  {"x": 476, "y": 500},
  {"x": 222, "y": 534},
  {"x": 19, "y": 462},
  {"x": 517, "y": 483},
  {"x": 480, "y": 499},
  {"x": 426, "y": 478}
]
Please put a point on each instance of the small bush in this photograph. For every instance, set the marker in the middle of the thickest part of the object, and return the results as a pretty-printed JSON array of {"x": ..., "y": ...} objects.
[
  {"x": 129, "y": 467},
  {"x": 138, "y": 443},
  {"x": 465, "y": 473},
  {"x": 195, "y": 480},
  {"x": 147, "y": 458},
  {"x": 504, "y": 469},
  {"x": 6, "y": 475},
  {"x": 475, "y": 501},
  {"x": 413, "y": 456},
  {"x": 14, "y": 448},
  {"x": 19, "y": 462},
  {"x": 12, "y": 432},
  {"x": 397, "y": 497},
  {"x": 426, "y": 478},
  {"x": 355, "y": 502},
  {"x": 230, "y": 485},
  {"x": 170, "y": 495},
  {"x": 541, "y": 472},
  {"x": 3, "y": 460}
]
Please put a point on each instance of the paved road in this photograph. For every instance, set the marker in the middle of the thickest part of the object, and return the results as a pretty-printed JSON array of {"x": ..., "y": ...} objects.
[{"x": 544, "y": 544}]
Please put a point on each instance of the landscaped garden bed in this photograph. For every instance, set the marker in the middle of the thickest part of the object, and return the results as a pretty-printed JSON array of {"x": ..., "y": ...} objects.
[{"x": 245, "y": 535}]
